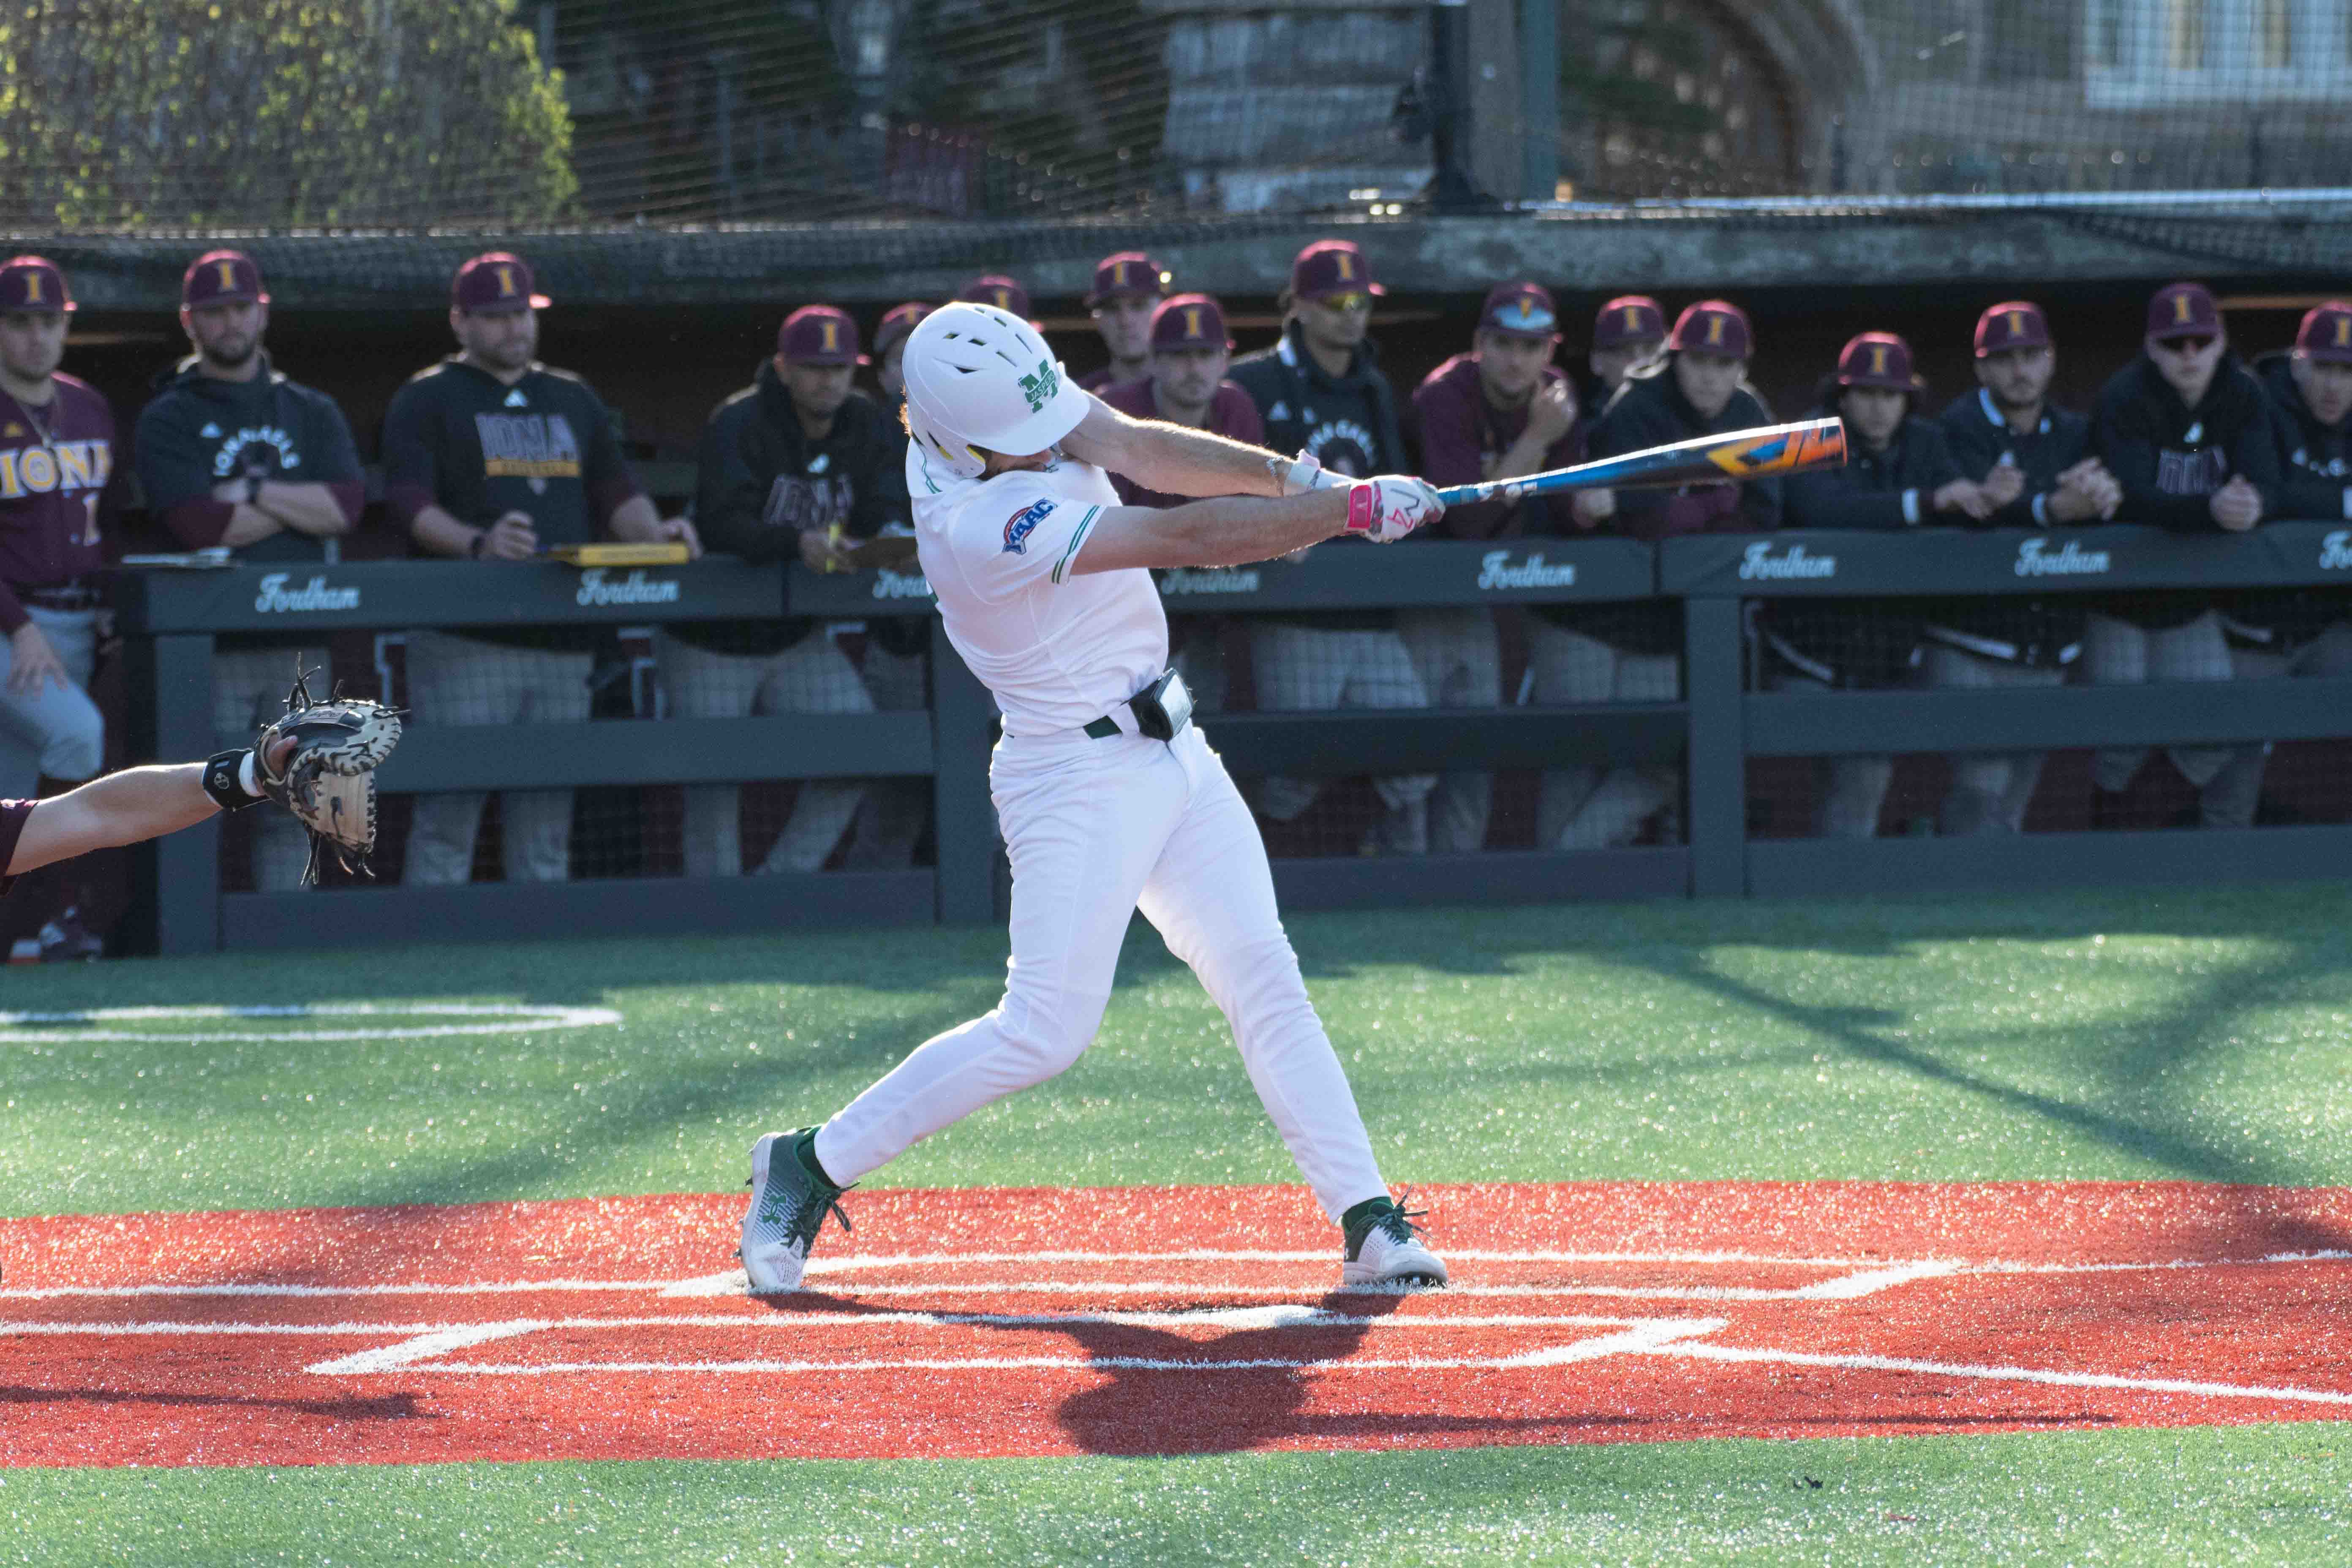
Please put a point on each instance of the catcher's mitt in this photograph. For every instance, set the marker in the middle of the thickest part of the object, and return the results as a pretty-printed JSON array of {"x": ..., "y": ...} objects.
[{"x": 328, "y": 779}]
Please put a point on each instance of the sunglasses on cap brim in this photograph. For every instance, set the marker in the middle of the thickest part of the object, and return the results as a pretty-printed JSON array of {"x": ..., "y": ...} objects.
[
  {"x": 2189, "y": 344},
  {"x": 1352, "y": 301}
]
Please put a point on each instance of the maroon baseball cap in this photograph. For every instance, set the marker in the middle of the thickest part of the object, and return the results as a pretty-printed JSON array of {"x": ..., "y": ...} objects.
[
  {"x": 33, "y": 283},
  {"x": 819, "y": 334},
  {"x": 1713, "y": 327},
  {"x": 1523, "y": 310},
  {"x": 1332, "y": 266},
  {"x": 2012, "y": 324},
  {"x": 1877, "y": 359},
  {"x": 2183, "y": 310},
  {"x": 996, "y": 288},
  {"x": 221, "y": 278},
  {"x": 1128, "y": 275},
  {"x": 2326, "y": 332},
  {"x": 496, "y": 281},
  {"x": 896, "y": 323},
  {"x": 1629, "y": 319},
  {"x": 1190, "y": 321}
]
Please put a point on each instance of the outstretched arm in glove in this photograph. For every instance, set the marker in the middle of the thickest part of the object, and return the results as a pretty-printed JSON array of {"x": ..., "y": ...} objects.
[{"x": 126, "y": 807}]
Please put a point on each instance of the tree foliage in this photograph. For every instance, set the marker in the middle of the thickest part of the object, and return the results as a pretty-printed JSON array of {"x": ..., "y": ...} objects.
[{"x": 146, "y": 114}]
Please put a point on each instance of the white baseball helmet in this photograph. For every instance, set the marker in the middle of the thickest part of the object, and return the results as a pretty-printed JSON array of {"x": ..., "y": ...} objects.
[{"x": 979, "y": 376}]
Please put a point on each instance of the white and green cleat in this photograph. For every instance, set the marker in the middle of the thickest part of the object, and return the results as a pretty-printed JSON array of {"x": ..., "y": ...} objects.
[
  {"x": 1385, "y": 1251},
  {"x": 789, "y": 1202}
]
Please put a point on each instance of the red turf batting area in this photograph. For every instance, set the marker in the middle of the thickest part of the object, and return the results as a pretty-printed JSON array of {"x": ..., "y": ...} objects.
[{"x": 1168, "y": 1321}]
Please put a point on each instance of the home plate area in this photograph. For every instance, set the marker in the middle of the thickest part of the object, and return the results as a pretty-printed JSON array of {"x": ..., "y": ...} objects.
[{"x": 1157, "y": 1321}]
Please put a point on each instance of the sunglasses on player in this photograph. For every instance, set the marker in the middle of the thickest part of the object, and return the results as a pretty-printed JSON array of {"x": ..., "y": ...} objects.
[
  {"x": 1345, "y": 301},
  {"x": 2197, "y": 344}
]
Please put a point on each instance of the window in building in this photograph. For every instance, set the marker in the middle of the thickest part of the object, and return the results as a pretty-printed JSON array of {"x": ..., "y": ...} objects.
[
  {"x": 2273, "y": 34},
  {"x": 2184, "y": 35}
]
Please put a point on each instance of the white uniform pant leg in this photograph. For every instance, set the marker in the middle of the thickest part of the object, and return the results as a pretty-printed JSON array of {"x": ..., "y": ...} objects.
[
  {"x": 2123, "y": 654},
  {"x": 1211, "y": 897},
  {"x": 55, "y": 731},
  {"x": 1588, "y": 807},
  {"x": 537, "y": 846},
  {"x": 1854, "y": 787},
  {"x": 814, "y": 676},
  {"x": 1989, "y": 790},
  {"x": 1380, "y": 675},
  {"x": 249, "y": 687},
  {"x": 1460, "y": 662},
  {"x": 2198, "y": 651},
  {"x": 450, "y": 682},
  {"x": 1299, "y": 670},
  {"x": 2114, "y": 653},
  {"x": 702, "y": 684},
  {"x": 1085, "y": 824},
  {"x": 892, "y": 818}
]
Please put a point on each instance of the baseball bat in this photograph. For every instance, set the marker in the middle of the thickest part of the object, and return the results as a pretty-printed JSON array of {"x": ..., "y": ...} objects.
[{"x": 1735, "y": 454}]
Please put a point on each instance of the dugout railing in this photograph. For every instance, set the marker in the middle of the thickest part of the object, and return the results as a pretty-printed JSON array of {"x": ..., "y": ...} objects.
[
  {"x": 1718, "y": 577},
  {"x": 171, "y": 620}
]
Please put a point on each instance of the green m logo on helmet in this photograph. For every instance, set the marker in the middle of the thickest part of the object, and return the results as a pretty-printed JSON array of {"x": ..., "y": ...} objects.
[{"x": 1041, "y": 388}]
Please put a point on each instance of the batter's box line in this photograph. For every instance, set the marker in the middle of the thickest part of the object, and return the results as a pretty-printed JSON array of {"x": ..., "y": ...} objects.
[{"x": 1635, "y": 1335}]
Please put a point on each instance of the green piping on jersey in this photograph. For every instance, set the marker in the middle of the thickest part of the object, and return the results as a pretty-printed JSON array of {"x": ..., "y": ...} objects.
[{"x": 1078, "y": 537}]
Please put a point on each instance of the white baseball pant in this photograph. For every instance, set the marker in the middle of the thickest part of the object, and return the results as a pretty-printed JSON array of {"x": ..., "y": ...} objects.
[
  {"x": 1313, "y": 670},
  {"x": 457, "y": 681},
  {"x": 2236, "y": 791},
  {"x": 249, "y": 687},
  {"x": 1853, "y": 787},
  {"x": 55, "y": 731},
  {"x": 2119, "y": 653},
  {"x": 813, "y": 676},
  {"x": 1460, "y": 662},
  {"x": 1097, "y": 829},
  {"x": 1989, "y": 790},
  {"x": 891, "y": 820},
  {"x": 1586, "y": 808}
]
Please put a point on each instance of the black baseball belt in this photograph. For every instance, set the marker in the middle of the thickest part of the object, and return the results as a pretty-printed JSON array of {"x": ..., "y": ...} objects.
[
  {"x": 69, "y": 595},
  {"x": 1158, "y": 712}
]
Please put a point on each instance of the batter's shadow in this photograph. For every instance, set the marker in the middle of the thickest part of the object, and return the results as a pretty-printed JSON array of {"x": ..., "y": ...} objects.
[{"x": 1259, "y": 1401}]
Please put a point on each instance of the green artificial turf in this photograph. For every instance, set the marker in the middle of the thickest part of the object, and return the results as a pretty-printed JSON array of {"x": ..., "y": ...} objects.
[
  {"x": 2200, "y": 1495},
  {"x": 2197, "y": 1036},
  {"x": 2193, "y": 1035}
]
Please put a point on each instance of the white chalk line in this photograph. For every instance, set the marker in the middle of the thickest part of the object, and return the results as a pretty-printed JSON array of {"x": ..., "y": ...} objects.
[
  {"x": 858, "y": 1262},
  {"x": 1999, "y": 1373},
  {"x": 1878, "y": 1277},
  {"x": 1288, "y": 1316},
  {"x": 1643, "y": 1335},
  {"x": 506, "y": 1018}
]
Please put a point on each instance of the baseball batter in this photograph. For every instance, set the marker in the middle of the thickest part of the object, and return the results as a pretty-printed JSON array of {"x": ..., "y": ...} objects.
[{"x": 1109, "y": 798}]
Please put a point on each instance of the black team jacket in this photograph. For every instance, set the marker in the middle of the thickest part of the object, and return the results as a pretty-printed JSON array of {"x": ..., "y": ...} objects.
[
  {"x": 1648, "y": 409},
  {"x": 1981, "y": 441},
  {"x": 762, "y": 483},
  {"x": 2314, "y": 486},
  {"x": 2170, "y": 457},
  {"x": 1889, "y": 490},
  {"x": 1350, "y": 422}
]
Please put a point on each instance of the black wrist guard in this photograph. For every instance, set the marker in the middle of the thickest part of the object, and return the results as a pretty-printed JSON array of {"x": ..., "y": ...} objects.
[{"x": 224, "y": 785}]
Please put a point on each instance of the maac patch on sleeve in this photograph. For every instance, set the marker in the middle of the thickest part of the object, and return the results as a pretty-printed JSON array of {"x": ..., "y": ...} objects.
[{"x": 1024, "y": 523}]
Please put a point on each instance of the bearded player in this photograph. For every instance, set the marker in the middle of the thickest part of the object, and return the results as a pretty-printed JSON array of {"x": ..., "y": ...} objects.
[{"x": 1109, "y": 798}]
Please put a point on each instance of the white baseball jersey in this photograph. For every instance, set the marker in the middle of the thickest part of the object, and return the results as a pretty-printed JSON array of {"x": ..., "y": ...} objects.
[{"x": 1058, "y": 649}]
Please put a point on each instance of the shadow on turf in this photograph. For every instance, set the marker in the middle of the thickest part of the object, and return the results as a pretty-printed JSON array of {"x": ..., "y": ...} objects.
[
  {"x": 392, "y": 1407},
  {"x": 1142, "y": 1411}
]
